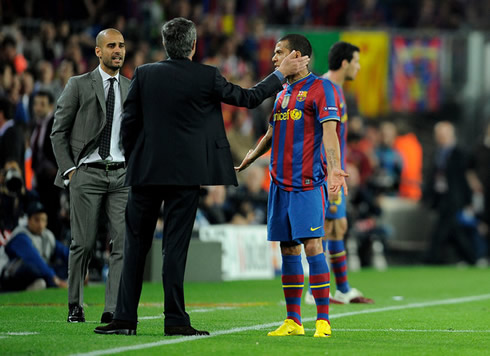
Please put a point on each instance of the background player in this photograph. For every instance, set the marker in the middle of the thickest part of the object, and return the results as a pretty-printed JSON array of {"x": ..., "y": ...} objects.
[
  {"x": 343, "y": 64},
  {"x": 302, "y": 133}
]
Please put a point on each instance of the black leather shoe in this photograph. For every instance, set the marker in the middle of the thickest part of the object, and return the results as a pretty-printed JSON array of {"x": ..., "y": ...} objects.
[
  {"x": 75, "y": 314},
  {"x": 106, "y": 317},
  {"x": 119, "y": 327},
  {"x": 186, "y": 330}
]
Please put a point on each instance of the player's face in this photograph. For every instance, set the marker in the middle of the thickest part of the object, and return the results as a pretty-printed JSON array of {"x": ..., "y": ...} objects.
[
  {"x": 353, "y": 67},
  {"x": 280, "y": 52},
  {"x": 112, "y": 51}
]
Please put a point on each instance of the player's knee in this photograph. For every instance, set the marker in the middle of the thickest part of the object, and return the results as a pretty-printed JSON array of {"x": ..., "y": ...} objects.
[
  {"x": 290, "y": 248},
  {"x": 313, "y": 246},
  {"x": 340, "y": 228}
]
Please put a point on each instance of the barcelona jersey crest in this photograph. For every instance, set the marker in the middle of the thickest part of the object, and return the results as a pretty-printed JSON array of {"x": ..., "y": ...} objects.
[{"x": 301, "y": 96}]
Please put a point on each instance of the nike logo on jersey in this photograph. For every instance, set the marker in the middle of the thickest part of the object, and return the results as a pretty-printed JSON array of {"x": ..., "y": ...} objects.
[{"x": 314, "y": 229}]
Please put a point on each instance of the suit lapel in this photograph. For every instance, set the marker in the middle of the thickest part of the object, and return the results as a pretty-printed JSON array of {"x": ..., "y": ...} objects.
[
  {"x": 98, "y": 88},
  {"x": 123, "y": 84}
]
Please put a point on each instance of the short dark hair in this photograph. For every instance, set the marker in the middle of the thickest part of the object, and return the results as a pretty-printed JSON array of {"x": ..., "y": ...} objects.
[
  {"x": 35, "y": 208},
  {"x": 47, "y": 94},
  {"x": 298, "y": 43},
  {"x": 9, "y": 41},
  {"x": 340, "y": 51},
  {"x": 178, "y": 36}
]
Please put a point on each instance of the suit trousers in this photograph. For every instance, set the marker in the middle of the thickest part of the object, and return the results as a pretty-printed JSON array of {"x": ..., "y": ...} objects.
[
  {"x": 179, "y": 213},
  {"x": 94, "y": 193}
]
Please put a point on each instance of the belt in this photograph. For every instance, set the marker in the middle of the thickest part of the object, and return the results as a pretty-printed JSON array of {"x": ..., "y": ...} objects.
[{"x": 106, "y": 166}]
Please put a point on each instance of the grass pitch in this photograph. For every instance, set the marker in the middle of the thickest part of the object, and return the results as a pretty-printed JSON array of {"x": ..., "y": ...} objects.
[{"x": 418, "y": 311}]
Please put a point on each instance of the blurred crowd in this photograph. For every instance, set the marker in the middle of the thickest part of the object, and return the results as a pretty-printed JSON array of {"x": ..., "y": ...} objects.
[{"x": 44, "y": 43}]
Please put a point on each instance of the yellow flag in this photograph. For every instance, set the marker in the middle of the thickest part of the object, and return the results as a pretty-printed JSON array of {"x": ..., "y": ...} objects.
[{"x": 371, "y": 84}]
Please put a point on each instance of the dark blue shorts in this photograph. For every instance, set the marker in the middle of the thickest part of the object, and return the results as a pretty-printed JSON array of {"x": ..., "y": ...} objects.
[
  {"x": 336, "y": 209},
  {"x": 292, "y": 216}
]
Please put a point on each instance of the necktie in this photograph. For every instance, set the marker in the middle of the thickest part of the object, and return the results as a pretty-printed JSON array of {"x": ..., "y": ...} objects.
[{"x": 105, "y": 136}]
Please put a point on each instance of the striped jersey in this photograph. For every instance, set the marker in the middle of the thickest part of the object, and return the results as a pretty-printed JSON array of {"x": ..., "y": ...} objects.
[
  {"x": 297, "y": 152},
  {"x": 342, "y": 127}
]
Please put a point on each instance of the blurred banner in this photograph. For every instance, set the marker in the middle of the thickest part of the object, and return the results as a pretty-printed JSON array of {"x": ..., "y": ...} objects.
[
  {"x": 415, "y": 78},
  {"x": 371, "y": 84},
  {"x": 321, "y": 43},
  {"x": 246, "y": 252}
]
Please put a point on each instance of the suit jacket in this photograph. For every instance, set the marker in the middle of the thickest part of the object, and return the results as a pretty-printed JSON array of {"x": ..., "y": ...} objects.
[
  {"x": 79, "y": 119},
  {"x": 172, "y": 129},
  {"x": 458, "y": 193},
  {"x": 43, "y": 160},
  {"x": 12, "y": 146}
]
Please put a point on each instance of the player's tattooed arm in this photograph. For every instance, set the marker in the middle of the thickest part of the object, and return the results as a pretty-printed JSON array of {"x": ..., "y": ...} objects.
[
  {"x": 336, "y": 176},
  {"x": 332, "y": 160}
]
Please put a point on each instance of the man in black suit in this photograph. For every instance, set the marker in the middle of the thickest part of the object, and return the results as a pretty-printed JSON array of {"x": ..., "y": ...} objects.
[
  {"x": 43, "y": 160},
  {"x": 447, "y": 192},
  {"x": 174, "y": 141}
]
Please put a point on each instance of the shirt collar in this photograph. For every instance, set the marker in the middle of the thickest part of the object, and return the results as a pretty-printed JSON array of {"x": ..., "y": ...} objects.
[
  {"x": 106, "y": 76},
  {"x": 6, "y": 126}
]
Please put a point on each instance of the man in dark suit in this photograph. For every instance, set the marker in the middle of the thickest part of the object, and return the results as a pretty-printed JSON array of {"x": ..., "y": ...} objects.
[
  {"x": 12, "y": 144},
  {"x": 447, "y": 193},
  {"x": 174, "y": 140},
  {"x": 43, "y": 161},
  {"x": 87, "y": 147}
]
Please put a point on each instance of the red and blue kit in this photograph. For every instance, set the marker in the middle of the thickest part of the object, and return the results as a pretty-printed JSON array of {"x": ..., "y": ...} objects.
[
  {"x": 297, "y": 196},
  {"x": 338, "y": 209}
]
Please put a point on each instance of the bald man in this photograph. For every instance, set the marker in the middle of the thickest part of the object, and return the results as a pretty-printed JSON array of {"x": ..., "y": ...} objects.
[
  {"x": 447, "y": 192},
  {"x": 87, "y": 148}
]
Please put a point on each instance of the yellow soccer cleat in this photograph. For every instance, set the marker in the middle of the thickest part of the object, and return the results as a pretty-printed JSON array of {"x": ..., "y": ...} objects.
[
  {"x": 323, "y": 329},
  {"x": 288, "y": 328}
]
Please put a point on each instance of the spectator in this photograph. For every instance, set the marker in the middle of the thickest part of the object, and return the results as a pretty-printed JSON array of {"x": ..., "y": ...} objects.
[
  {"x": 36, "y": 259},
  {"x": 410, "y": 149},
  {"x": 12, "y": 146},
  {"x": 249, "y": 200},
  {"x": 212, "y": 204},
  {"x": 478, "y": 176},
  {"x": 388, "y": 172},
  {"x": 43, "y": 160},
  {"x": 446, "y": 191}
]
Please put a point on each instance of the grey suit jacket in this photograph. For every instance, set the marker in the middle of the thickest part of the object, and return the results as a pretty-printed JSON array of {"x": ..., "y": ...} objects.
[{"x": 79, "y": 119}]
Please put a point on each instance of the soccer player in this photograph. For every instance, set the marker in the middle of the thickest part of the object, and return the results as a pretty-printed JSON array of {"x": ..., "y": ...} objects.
[
  {"x": 343, "y": 64},
  {"x": 302, "y": 134}
]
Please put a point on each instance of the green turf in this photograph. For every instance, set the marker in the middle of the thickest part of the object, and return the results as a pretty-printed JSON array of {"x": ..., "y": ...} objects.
[{"x": 422, "y": 319}]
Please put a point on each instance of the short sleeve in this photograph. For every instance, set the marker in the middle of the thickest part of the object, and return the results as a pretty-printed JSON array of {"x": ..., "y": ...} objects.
[{"x": 328, "y": 102}]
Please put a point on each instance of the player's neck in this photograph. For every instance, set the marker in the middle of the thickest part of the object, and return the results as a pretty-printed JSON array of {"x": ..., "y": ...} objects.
[
  {"x": 335, "y": 76},
  {"x": 298, "y": 76}
]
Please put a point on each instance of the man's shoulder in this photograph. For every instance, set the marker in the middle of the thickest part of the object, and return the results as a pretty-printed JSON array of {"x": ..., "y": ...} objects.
[
  {"x": 19, "y": 230},
  {"x": 83, "y": 76}
]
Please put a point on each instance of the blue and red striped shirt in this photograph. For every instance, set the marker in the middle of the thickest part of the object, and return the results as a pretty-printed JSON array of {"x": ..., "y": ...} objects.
[
  {"x": 342, "y": 127},
  {"x": 297, "y": 162}
]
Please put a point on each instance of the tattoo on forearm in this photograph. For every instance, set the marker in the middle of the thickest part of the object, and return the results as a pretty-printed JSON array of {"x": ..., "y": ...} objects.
[{"x": 331, "y": 158}]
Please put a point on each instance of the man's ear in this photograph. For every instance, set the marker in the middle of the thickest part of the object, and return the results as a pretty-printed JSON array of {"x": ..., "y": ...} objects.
[{"x": 298, "y": 54}]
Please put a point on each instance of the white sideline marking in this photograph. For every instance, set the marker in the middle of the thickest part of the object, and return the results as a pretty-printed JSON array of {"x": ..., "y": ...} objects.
[
  {"x": 16, "y": 333},
  {"x": 19, "y": 333},
  {"x": 268, "y": 325},
  {"x": 408, "y": 330}
]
